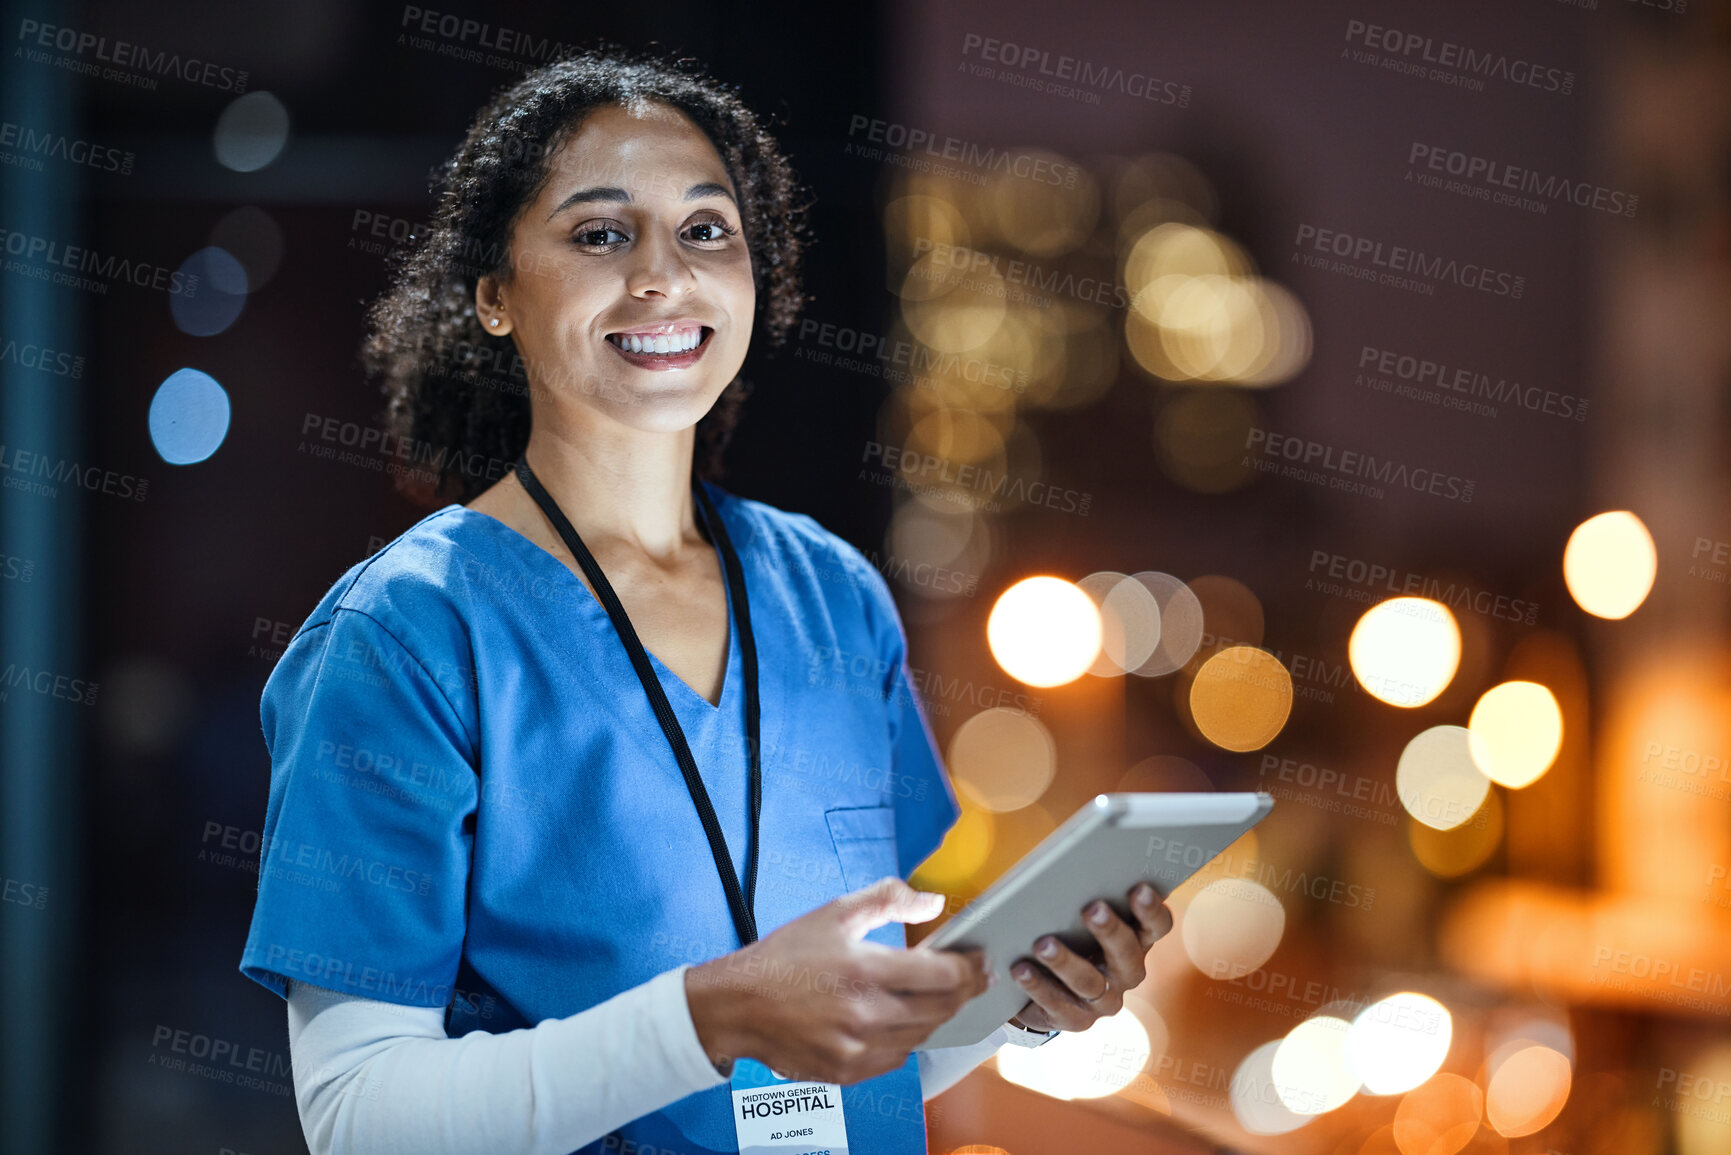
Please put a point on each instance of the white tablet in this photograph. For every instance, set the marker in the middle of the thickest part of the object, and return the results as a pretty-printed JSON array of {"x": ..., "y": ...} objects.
[{"x": 1101, "y": 851}]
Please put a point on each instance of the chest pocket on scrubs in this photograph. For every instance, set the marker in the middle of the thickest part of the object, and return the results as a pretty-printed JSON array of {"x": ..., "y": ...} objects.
[{"x": 865, "y": 842}]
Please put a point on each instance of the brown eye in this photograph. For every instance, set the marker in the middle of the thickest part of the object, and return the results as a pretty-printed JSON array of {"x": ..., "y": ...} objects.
[
  {"x": 710, "y": 231},
  {"x": 598, "y": 236}
]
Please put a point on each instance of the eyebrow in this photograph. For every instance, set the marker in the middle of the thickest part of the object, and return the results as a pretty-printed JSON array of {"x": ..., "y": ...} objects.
[{"x": 614, "y": 195}]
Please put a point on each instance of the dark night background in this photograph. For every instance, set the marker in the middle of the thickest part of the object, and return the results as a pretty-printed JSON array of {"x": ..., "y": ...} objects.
[{"x": 172, "y": 604}]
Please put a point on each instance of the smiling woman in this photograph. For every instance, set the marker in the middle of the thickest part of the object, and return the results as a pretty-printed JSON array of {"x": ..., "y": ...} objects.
[
  {"x": 567, "y": 971},
  {"x": 519, "y": 211},
  {"x": 649, "y": 273}
]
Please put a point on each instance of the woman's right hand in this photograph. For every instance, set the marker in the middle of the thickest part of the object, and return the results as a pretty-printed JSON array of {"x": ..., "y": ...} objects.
[{"x": 813, "y": 1001}]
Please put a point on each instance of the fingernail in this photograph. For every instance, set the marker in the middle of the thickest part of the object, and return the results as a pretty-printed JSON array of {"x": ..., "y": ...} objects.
[
  {"x": 1145, "y": 893},
  {"x": 1022, "y": 973},
  {"x": 1098, "y": 913},
  {"x": 1048, "y": 949}
]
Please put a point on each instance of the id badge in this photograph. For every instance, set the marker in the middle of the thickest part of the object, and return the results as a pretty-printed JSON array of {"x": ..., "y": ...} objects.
[{"x": 777, "y": 1116}]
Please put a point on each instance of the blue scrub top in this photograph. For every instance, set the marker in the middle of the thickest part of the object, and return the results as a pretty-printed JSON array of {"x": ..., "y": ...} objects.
[{"x": 472, "y": 805}]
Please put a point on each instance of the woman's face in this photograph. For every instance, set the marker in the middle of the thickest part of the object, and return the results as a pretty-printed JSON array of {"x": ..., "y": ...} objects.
[{"x": 630, "y": 291}]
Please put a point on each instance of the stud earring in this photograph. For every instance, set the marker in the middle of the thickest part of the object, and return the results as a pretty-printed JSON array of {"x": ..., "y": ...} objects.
[{"x": 494, "y": 322}]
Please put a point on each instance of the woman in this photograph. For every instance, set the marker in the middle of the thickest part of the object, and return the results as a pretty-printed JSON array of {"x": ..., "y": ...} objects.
[{"x": 501, "y": 745}]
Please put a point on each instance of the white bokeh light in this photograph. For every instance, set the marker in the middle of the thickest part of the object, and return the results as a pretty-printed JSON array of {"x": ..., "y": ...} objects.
[
  {"x": 1090, "y": 1064},
  {"x": 1398, "y": 1042},
  {"x": 1255, "y": 1102},
  {"x": 1310, "y": 1068}
]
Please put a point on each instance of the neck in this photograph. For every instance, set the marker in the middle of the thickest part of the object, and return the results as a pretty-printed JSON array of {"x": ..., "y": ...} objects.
[{"x": 615, "y": 482}]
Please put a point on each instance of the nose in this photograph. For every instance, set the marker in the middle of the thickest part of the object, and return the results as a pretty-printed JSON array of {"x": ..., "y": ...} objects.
[{"x": 659, "y": 269}]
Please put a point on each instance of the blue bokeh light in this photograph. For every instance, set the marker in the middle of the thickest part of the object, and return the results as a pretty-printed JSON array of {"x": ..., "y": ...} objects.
[
  {"x": 216, "y": 298},
  {"x": 188, "y": 417}
]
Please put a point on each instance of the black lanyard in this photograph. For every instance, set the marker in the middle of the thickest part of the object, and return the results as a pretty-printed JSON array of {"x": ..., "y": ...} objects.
[{"x": 741, "y": 905}]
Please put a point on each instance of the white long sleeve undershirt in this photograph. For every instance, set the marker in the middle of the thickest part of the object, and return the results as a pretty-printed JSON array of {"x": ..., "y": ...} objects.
[{"x": 384, "y": 1079}]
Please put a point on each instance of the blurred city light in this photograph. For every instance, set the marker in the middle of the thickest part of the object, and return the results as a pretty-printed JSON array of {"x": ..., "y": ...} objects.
[
  {"x": 218, "y": 296},
  {"x": 1181, "y": 624},
  {"x": 1311, "y": 1072},
  {"x": 1232, "y": 927},
  {"x": 1241, "y": 698},
  {"x": 1255, "y": 1097},
  {"x": 251, "y": 132},
  {"x": 189, "y": 417},
  {"x": 1130, "y": 622},
  {"x": 1438, "y": 779},
  {"x": 1405, "y": 651},
  {"x": 1044, "y": 631},
  {"x": 1517, "y": 729},
  {"x": 1003, "y": 758},
  {"x": 1440, "y": 1117},
  {"x": 1088, "y": 1064},
  {"x": 1527, "y": 1090},
  {"x": 1610, "y": 563},
  {"x": 1460, "y": 849},
  {"x": 1398, "y": 1042}
]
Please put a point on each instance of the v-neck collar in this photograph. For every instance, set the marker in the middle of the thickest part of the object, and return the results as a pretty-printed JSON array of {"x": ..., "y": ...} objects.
[{"x": 598, "y": 613}]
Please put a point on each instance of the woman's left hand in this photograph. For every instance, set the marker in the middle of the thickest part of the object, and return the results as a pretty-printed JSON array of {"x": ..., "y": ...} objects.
[{"x": 1071, "y": 993}]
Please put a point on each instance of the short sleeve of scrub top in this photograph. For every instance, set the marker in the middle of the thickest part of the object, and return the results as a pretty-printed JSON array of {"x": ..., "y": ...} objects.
[
  {"x": 473, "y": 806},
  {"x": 364, "y": 861}
]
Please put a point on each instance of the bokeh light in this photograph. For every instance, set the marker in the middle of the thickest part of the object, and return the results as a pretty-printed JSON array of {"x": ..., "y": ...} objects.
[
  {"x": 1045, "y": 218},
  {"x": 1405, "y": 651},
  {"x": 937, "y": 553},
  {"x": 963, "y": 851},
  {"x": 1199, "y": 312},
  {"x": 1287, "y": 341},
  {"x": 1527, "y": 1090},
  {"x": 1180, "y": 250},
  {"x": 1517, "y": 730},
  {"x": 1044, "y": 631},
  {"x": 251, "y": 132},
  {"x": 1180, "y": 624},
  {"x": 1241, "y": 698},
  {"x": 1256, "y": 1101},
  {"x": 1003, "y": 758},
  {"x": 952, "y": 309},
  {"x": 1398, "y": 1042},
  {"x": 1439, "y": 1117},
  {"x": 1610, "y": 563},
  {"x": 1311, "y": 1073},
  {"x": 1088, "y": 1064},
  {"x": 954, "y": 435},
  {"x": 1075, "y": 355},
  {"x": 215, "y": 299},
  {"x": 1232, "y": 927},
  {"x": 1438, "y": 779},
  {"x": 189, "y": 417},
  {"x": 1511, "y": 1029},
  {"x": 919, "y": 219},
  {"x": 1460, "y": 849},
  {"x": 1129, "y": 622}
]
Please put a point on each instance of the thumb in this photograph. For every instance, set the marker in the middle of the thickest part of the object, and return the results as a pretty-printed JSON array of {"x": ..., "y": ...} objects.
[{"x": 886, "y": 900}]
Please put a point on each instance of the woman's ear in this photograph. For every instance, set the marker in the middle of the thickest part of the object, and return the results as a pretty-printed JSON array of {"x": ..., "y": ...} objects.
[{"x": 490, "y": 306}]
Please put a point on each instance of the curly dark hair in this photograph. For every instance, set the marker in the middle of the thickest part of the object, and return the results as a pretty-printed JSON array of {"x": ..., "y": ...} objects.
[{"x": 457, "y": 395}]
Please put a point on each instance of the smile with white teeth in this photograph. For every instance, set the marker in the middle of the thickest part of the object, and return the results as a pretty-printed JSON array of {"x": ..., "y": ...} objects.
[{"x": 678, "y": 341}]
